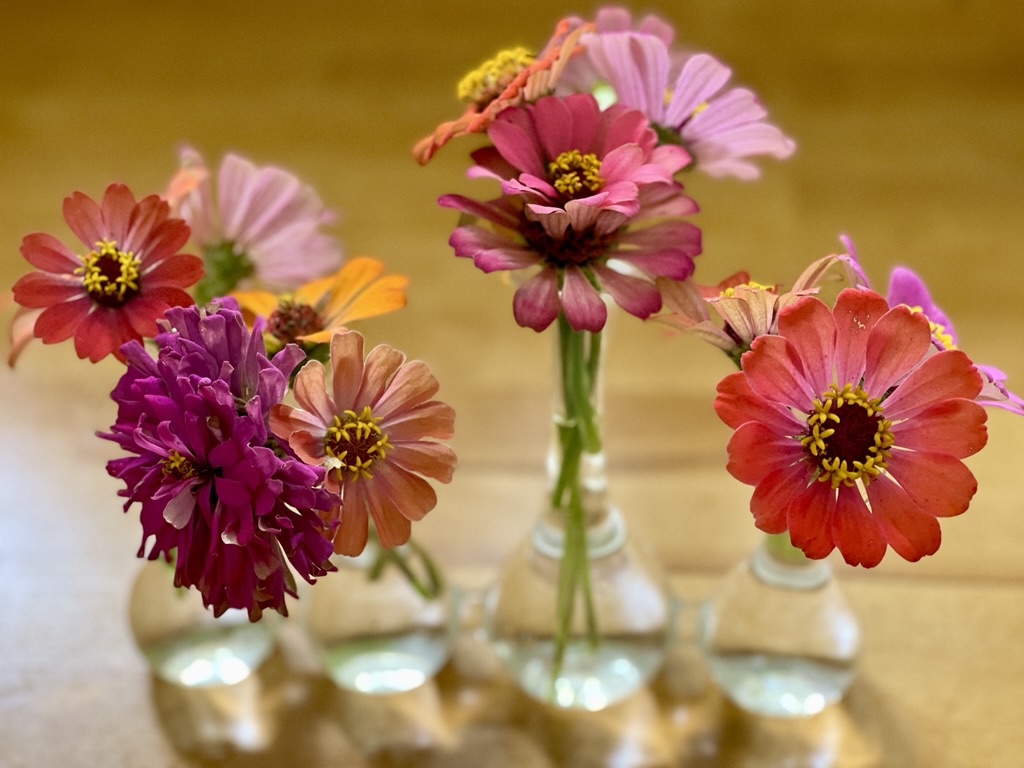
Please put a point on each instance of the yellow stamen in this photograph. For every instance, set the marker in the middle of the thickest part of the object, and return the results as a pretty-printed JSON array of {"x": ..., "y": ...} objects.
[
  {"x": 110, "y": 275},
  {"x": 573, "y": 171},
  {"x": 178, "y": 465},
  {"x": 730, "y": 291},
  {"x": 486, "y": 82},
  {"x": 831, "y": 438},
  {"x": 356, "y": 443},
  {"x": 939, "y": 332}
]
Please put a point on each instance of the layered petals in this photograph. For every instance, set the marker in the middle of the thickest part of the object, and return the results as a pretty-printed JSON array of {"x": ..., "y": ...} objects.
[
  {"x": 375, "y": 431},
  {"x": 852, "y": 429},
  {"x": 127, "y": 275}
]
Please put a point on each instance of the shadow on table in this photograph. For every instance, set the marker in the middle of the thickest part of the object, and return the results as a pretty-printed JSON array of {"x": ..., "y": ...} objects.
[{"x": 283, "y": 716}]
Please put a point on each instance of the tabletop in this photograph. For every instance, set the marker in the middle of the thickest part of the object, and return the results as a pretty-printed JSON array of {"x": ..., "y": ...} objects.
[{"x": 907, "y": 121}]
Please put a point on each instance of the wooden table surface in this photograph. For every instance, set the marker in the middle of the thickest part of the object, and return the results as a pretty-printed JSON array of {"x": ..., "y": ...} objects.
[{"x": 908, "y": 122}]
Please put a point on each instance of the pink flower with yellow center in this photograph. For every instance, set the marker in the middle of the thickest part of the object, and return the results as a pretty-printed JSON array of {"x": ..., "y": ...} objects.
[
  {"x": 376, "y": 431},
  {"x": 512, "y": 77},
  {"x": 590, "y": 199},
  {"x": 129, "y": 273},
  {"x": 852, "y": 429},
  {"x": 315, "y": 310}
]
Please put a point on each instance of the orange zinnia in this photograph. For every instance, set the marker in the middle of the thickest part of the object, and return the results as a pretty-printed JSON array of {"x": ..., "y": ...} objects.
[{"x": 312, "y": 312}]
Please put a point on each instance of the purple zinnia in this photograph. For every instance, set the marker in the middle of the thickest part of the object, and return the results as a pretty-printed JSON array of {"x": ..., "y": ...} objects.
[
  {"x": 590, "y": 198},
  {"x": 217, "y": 492}
]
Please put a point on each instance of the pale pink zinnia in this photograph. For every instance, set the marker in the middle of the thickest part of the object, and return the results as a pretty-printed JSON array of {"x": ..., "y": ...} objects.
[
  {"x": 261, "y": 225},
  {"x": 688, "y": 98},
  {"x": 589, "y": 198},
  {"x": 128, "y": 274},
  {"x": 852, "y": 429},
  {"x": 375, "y": 430}
]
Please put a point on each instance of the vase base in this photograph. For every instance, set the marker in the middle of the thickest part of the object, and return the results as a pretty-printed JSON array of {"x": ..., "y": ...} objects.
[
  {"x": 590, "y": 679},
  {"x": 390, "y": 664},
  {"x": 222, "y": 655},
  {"x": 779, "y": 686}
]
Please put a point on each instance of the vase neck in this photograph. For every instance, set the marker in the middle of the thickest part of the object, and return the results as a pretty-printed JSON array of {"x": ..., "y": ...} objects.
[{"x": 778, "y": 563}]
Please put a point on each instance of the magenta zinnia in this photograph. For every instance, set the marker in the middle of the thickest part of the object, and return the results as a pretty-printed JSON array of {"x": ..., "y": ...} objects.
[
  {"x": 375, "y": 431},
  {"x": 233, "y": 509},
  {"x": 128, "y": 274},
  {"x": 852, "y": 429},
  {"x": 588, "y": 198}
]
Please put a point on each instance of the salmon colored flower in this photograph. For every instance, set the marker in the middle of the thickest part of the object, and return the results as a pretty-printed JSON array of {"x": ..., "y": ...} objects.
[
  {"x": 129, "y": 273},
  {"x": 313, "y": 311},
  {"x": 852, "y": 429},
  {"x": 733, "y": 313},
  {"x": 261, "y": 225},
  {"x": 511, "y": 78},
  {"x": 375, "y": 431}
]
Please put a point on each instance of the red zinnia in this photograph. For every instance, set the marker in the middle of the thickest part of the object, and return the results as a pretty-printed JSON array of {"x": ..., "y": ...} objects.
[
  {"x": 851, "y": 427},
  {"x": 129, "y": 275}
]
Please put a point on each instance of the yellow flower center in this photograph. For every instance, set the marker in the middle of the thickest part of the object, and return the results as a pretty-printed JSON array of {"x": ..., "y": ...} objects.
[
  {"x": 847, "y": 436},
  {"x": 731, "y": 291},
  {"x": 572, "y": 172},
  {"x": 178, "y": 466},
  {"x": 110, "y": 275},
  {"x": 486, "y": 82},
  {"x": 354, "y": 443},
  {"x": 939, "y": 332}
]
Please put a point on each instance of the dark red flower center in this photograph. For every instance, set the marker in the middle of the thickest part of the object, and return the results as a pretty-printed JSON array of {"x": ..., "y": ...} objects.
[
  {"x": 293, "y": 319},
  {"x": 109, "y": 275},
  {"x": 354, "y": 442},
  {"x": 847, "y": 436},
  {"x": 579, "y": 248}
]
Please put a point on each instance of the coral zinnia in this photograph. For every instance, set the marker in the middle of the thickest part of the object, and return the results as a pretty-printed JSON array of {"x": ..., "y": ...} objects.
[
  {"x": 312, "y": 312},
  {"x": 589, "y": 198},
  {"x": 131, "y": 273},
  {"x": 375, "y": 431},
  {"x": 851, "y": 427},
  {"x": 217, "y": 494},
  {"x": 265, "y": 225},
  {"x": 511, "y": 78}
]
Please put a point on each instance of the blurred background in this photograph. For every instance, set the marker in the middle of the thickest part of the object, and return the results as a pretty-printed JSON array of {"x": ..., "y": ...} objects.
[{"x": 907, "y": 118}]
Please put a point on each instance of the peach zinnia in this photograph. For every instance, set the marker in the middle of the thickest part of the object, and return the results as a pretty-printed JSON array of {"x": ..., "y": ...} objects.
[
  {"x": 376, "y": 432},
  {"x": 852, "y": 427},
  {"x": 129, "y": 274}
]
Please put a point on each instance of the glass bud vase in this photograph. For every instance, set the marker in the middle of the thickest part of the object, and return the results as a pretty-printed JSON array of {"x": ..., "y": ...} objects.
[
  {"x": 780, "y": 638},
  {"x": 579, "y": 617},
  {"x": 382, "y": 623},
  {"x": 182, "y": 640}
]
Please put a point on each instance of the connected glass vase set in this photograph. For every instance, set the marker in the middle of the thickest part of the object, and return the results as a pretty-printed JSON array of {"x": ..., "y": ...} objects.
[{"x": 580, "y": 616}]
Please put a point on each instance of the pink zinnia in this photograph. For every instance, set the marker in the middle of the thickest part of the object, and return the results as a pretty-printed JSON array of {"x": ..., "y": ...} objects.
[
  {"x": 688, "y": 99},
  {"x": 375, "y": 432},
  {"x": 852, "y": 429},
  {"x": 129, "y": 274},
  {"x": 589, "y": 198},
  {"x": 261, "y": 224}
]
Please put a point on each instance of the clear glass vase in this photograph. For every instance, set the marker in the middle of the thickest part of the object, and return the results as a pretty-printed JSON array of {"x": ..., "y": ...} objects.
[
  {"x": 579, "y": 617},
  {"x": 780, "y": 638},
  {"x": 382, "y": 623},
  {"x": 181, "y": 639}
]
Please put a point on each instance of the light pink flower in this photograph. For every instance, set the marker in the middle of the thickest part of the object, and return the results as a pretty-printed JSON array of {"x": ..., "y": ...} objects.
[
  {"x": 260, "y": 225},
  {"x": 852, "y": 429},
  {"x": 590, "y": 199},
  {"x": 375, "y": 431},
  {"x": 687, "y": 97}
]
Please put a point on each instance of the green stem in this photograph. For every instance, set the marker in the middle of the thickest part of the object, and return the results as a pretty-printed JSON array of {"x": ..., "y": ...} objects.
[
  {"x": 578, "y": 433},
  {"x": 429, "y": 584}
]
